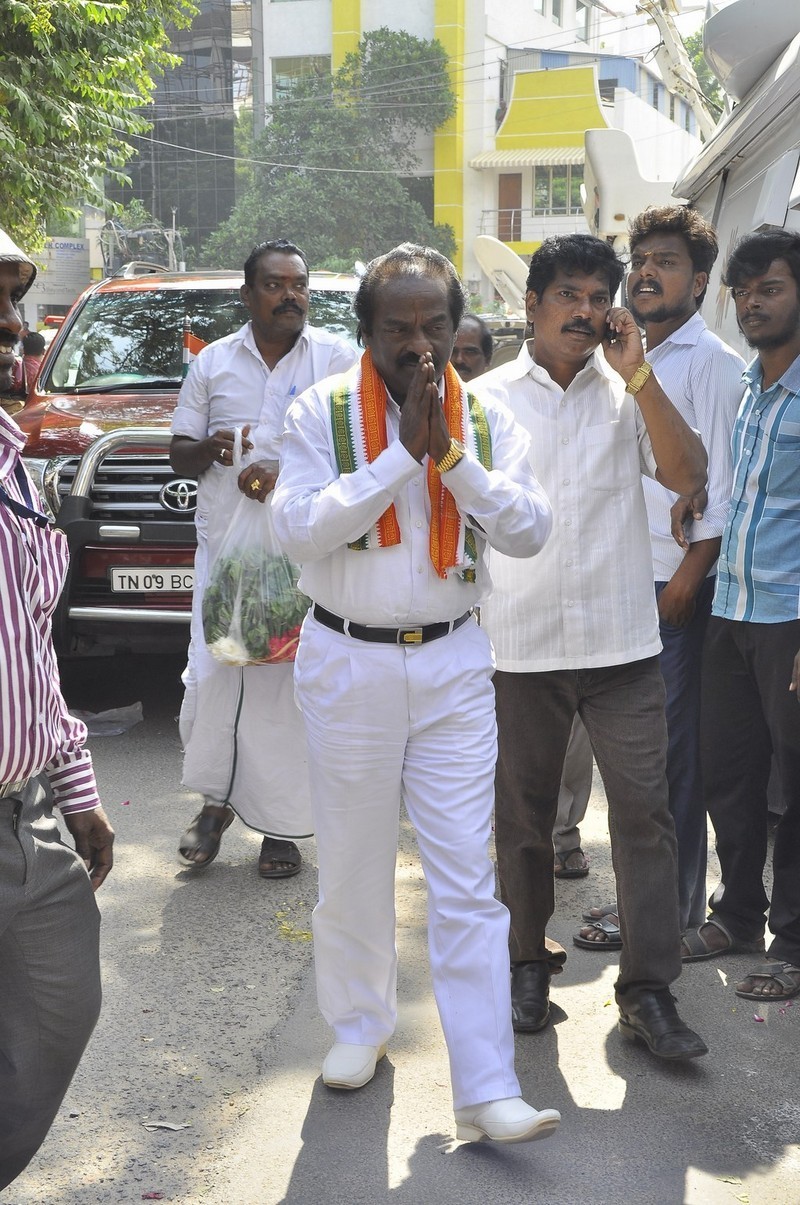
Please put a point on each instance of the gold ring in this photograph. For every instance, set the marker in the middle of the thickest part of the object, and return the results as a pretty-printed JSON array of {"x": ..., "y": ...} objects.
[{"x": 255, "y": 485}]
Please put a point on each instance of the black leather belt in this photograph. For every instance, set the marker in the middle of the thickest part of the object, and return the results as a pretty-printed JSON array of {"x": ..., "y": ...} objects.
[{"x": 359, "y": 631}]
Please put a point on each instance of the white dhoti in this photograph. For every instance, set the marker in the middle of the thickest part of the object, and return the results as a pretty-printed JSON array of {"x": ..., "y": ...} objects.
[
  {"x": 242, "y": 733},
  {"x": 386, "y": 721}
]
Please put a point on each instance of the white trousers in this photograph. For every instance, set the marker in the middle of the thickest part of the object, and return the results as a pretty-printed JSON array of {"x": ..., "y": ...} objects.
[{"x": 385, "y": 721}]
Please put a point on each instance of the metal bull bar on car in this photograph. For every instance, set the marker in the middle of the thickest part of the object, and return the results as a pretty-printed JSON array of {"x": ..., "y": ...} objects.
[{"x": 75, "y": 519}]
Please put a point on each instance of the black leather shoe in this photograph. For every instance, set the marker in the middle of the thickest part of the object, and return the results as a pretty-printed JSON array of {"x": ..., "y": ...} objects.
[
  {"x": 530, "y": 996},
  {"x": 652, "y": 1018}
]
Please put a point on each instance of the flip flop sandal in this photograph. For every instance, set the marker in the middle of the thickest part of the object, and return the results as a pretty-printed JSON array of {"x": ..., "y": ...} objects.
[
  {"x": 784, "y": 974},
  {"x": 699, "y": 949},
  {"x": 562, "y": 871},
  {"x": 601, "y": 912},
  {"x": 274, "y": 852},
  {"x": 203, "y": 836},
  {"x": 613, "y": 940}
]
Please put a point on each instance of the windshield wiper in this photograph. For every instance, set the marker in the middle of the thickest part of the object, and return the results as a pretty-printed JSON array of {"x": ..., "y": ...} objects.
[{"x": 127, "y": 387}]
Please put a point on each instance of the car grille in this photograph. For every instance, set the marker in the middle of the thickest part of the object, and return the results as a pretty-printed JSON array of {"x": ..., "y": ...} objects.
[{"x": 126, "y": 487}]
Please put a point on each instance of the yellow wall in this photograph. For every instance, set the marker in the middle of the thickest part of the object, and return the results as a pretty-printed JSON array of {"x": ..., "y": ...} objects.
[
  {"x": 551, "y": 108},
  {"x": 346, "y": 27},
  {"x": 448, "y": 143}
]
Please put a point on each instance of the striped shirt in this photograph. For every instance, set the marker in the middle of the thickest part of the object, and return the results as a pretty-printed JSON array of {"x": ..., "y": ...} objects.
[
  {"x": 587, "y": 599},
  {"x": 758, "y": 576},
  {"x": 702, "y": 377},
  {"x": 37, "y": 733}
]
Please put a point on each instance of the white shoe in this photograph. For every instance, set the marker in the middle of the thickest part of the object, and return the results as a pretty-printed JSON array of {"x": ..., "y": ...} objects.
[
  {"x": 509, "y": 1120},
  {"x": 349, "y": 1066}
]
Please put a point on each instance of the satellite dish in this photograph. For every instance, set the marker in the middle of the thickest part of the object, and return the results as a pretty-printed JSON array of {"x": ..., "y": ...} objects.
[{"x": 504, "y": 268}]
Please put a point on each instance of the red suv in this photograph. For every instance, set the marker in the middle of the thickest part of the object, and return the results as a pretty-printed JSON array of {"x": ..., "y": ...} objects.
[{"x": 98, "y": 435}]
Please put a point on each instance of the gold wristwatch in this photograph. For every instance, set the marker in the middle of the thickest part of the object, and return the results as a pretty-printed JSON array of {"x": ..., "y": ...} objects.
[
  {"x": 451, "y": 456},
  {"x": 639, "y": 378}
]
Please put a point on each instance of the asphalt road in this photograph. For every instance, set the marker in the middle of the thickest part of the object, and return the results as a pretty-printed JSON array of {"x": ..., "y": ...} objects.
[{"x": 210, "y": 1028}]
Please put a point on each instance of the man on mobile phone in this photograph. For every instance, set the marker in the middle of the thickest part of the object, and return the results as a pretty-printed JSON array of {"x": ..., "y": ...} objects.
[{"x": 576, "y": 631}]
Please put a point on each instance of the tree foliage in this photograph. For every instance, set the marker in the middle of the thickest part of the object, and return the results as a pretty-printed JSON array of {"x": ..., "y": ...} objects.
[
  {"x": 705, "y": 77},
  {"x": 72, "y": 73},
  {"x": 327, "y": 167}
]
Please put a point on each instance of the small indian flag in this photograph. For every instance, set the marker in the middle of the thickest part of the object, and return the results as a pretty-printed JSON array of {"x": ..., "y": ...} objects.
[{"x": 191, "y": 345}]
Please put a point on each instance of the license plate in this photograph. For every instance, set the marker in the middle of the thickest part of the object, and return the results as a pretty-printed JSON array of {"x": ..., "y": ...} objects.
[{"x": 152, "y": 579}]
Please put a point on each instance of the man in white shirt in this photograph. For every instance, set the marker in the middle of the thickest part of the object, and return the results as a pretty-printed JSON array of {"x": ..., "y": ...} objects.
[
  {"x": 393, "y": 481},
  {"x": 577, "y": 631},
  {"x": 242, "y": 737},
  {"x": 673, "y": 249}
]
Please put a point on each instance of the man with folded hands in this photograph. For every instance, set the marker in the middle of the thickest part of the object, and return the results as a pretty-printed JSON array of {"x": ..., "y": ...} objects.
[{"x": 394, "y": 479}]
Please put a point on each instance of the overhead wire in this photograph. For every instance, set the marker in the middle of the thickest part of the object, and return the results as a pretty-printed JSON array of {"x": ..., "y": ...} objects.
[{"x": 562, "y": 42}]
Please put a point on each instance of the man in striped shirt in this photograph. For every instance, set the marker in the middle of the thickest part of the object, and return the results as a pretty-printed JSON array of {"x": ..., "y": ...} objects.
[
  {"x": 49, "y": 923},
  {"x": 749, "y": 712}
]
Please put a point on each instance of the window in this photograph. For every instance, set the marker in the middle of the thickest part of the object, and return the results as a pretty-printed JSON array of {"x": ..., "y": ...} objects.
[
  {"x": 286, "y": 72},
  {"x": 557, "y": 190},
  {"x": 557, "y": 11},
  {"x": 672, "y": 106},
  {"x": 582, "y": 20},
  {"x": 654, "y": 96},
  {"x": 538, "y": 7}
]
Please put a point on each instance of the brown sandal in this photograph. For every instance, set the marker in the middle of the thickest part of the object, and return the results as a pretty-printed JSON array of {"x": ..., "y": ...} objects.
[
  {"x": 204, "y": 835},
  {"x": 277, "y": 853}
]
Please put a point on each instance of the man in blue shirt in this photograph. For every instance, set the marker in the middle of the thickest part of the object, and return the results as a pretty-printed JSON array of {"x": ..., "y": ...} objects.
[{"x": 749, "y": 714}]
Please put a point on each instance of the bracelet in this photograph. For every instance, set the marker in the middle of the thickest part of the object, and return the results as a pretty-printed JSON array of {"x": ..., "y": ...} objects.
[{"x": 639, "y": 378}]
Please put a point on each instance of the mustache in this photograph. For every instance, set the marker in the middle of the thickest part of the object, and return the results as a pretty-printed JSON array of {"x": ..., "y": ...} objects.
[
  {"x": 583, "y": 328},
  {"x": 287, "y": 307},
  {"x": 7, "y": 336},
  {"x": 655, "y": 287}
]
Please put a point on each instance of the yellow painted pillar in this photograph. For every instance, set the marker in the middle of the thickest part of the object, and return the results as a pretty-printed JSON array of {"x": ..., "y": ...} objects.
[
  {"x": 448, "y": 141},
  {"x": 346, "y": 30}
]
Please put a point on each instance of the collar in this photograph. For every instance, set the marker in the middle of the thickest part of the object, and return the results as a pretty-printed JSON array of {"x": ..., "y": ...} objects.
[
  {"x": 754, "y": 374},
  {"x": 250, "y": 341},
  {"x": 525, "y": 365},
  {"x": 12, "y": 441},
  {"x": 686, "y": 335}
]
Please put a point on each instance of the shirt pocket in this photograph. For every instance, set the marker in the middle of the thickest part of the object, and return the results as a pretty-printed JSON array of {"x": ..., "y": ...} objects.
[
  {"x": 269, "y": 431},
  {"x": 610, "y": 455}
]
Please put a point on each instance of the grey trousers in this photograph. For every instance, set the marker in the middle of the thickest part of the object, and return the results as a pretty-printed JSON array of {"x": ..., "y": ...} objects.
[
  {"x": 575, "y": 791},
  {"x": 49, "y": 974},
  {"x": 622, "y": 708}
]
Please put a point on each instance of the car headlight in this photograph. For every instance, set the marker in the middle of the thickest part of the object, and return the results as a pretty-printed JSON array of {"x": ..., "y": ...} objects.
[{"x": 43, "y": 475}]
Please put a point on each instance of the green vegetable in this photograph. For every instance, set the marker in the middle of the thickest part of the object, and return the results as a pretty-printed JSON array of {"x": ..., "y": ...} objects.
[{"x": 252, "y": 599}]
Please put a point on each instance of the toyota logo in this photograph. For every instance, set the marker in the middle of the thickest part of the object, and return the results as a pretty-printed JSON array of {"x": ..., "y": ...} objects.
[{"x": 179, "y": 495}]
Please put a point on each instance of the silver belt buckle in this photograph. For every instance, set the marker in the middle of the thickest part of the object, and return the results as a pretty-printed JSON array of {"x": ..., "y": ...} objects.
[
  {"x": 13, "y": 788},
  {"x": 409, "y": 635}
]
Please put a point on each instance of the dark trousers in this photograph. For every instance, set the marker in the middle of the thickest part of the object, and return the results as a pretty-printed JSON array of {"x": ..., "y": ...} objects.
[
  {"x": 49, "y": 974},
  {"x": 622, "y": 708},
  {"x": 749, "y": 714},
  {"x": 681, "y": 664}
]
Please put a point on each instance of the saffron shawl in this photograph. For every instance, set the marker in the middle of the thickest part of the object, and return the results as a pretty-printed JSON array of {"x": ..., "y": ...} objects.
[{"x": 358, "y": 421}]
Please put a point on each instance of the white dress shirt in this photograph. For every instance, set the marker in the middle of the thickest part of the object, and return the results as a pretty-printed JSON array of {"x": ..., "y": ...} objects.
[
  {"x": 230, "y": 386},
  {"x": 587, "y": 600},
  {"x": 317, "y": 513},
  {"x": 702, "y": 377}
]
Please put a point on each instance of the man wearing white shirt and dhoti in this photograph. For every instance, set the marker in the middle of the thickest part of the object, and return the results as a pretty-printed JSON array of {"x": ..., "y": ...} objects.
[
  {"x": 577, "y": 632},
  {"x": 393, "y": 481},
  {"x": 244, "y": 746}
]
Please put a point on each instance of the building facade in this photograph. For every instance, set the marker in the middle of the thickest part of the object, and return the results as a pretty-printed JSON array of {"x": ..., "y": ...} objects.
[{"x": 530, "y": 76}]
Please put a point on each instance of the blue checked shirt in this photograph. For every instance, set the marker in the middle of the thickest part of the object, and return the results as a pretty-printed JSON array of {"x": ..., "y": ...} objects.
[{"x": 758, "y": 577}]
